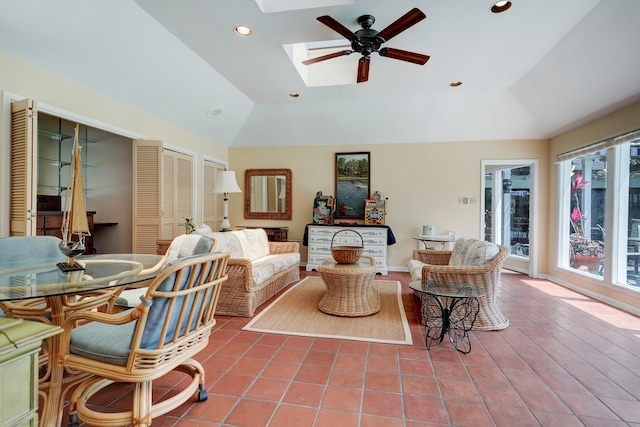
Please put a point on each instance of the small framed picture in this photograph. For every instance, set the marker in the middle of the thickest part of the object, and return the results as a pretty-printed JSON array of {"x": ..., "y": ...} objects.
[
  {"x": 352, "y": 184},
  {"x": 373, "y": 212},
  {"x": 323, "y": 209}
]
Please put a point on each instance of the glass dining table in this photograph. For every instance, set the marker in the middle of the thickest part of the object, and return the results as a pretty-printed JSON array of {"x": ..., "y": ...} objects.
[{"x": 41, "y": 291}]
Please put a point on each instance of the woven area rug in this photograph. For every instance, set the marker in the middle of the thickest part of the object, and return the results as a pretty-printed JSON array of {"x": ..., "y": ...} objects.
[{"x": 296, "y": 313}]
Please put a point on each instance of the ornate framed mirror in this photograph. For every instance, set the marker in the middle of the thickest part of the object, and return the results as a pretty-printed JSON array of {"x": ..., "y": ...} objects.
[{"x": 267, "y": 194}]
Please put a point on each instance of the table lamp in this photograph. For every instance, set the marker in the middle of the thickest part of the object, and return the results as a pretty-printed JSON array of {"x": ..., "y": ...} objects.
[{"x": 225, "y": 184}]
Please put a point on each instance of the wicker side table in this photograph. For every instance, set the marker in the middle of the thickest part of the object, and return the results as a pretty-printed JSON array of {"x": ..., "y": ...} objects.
[{"x": 349, "y": 292}]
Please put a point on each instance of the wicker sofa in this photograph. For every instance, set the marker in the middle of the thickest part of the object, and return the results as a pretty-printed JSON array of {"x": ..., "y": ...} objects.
[
  {"x": 473, "y": 262},
  {"x": 257, "y": 269}
]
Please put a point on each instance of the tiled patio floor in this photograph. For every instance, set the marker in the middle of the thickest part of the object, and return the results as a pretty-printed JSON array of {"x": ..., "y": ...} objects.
[{"x": 565, "y": 360}]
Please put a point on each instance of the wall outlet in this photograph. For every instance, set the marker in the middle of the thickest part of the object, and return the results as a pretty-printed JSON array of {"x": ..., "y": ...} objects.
[{"x": 473, "y": 200}]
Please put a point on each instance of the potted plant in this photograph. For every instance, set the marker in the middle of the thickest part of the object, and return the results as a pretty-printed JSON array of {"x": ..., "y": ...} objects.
[
  {"x": 188, "y": 225},
  {"x": 586, "y": 254}
]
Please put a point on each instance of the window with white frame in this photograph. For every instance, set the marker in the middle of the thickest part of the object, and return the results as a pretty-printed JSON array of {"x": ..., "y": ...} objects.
[{"x": 600, "y": 210}]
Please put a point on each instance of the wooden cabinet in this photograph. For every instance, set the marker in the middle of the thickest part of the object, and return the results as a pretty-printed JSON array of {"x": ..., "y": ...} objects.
[
  {"x": 49, "y": 223},
  {"x": 374, "y": 241},
  {"x": 20, "y": 343}
]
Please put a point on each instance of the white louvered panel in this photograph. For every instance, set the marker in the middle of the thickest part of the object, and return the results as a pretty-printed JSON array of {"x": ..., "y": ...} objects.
[
  {"x": 147, "y": 182},
  {"x": 147, "y": 237},
  {"x": 22, "y": 203},
  {"x": 147, "y": 190},
  {"x": 169, "y": 219},
  {"x": 184, "y": 187}
]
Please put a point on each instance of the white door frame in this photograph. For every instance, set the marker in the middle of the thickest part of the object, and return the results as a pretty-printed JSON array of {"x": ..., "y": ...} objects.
[{"x": 489, "y": 165}]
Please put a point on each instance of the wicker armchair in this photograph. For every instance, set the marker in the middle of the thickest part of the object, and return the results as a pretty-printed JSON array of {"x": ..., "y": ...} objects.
[
  {"x": 162, "y": 334},
  {"x": 436, "y": 267}
]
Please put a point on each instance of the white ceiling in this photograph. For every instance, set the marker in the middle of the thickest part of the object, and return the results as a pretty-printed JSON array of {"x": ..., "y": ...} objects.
[{"x": 541, "y": 68}]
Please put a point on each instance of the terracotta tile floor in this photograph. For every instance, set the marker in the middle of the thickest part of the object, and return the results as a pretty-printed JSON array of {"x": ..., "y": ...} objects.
[{"x": 566, "y": 360}]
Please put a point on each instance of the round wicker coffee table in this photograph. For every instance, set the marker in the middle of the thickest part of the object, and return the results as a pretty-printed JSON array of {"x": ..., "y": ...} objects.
[{"x": 349, "y": 292}]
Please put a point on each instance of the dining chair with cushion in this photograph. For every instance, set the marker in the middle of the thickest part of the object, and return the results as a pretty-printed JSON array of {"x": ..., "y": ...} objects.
[
  {"x": 472, "y": 262},
  {"x": 182, "y": 246},
  {"x": 164, "y": 333}
]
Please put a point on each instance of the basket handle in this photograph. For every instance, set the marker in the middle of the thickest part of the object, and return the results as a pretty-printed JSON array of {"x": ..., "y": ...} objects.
[{"x": 353, "y": 231}]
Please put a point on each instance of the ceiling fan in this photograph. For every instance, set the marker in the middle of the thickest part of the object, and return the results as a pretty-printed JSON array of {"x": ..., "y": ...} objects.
[{"x": 367, "y": 40}]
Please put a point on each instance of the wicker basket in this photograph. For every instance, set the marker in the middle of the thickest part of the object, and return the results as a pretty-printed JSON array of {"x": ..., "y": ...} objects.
[{"x": 347, "y": 254}]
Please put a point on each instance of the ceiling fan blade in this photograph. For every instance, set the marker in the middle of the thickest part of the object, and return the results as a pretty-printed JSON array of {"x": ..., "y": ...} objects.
[
  {"x": 363, "y": 69},
  {"x": 325, "y": 57},
  {"x": 404, "y": 55},
  {"x": 410, "y": 18},
  {"x": 337, "y": 27}
]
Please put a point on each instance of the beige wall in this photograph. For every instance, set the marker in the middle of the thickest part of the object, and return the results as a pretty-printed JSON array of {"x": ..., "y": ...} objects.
[
  {"x": 422, "y": 182},
  {"x": 620, "y": 122}
]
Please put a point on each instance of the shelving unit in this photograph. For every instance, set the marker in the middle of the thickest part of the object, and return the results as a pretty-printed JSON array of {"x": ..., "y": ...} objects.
[{"x": 55, "y": 143}]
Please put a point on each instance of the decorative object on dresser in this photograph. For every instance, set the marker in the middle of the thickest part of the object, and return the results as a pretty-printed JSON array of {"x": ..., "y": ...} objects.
[
  {"x": 375, "y": 239},
  {"x": 375, "y": 208},
  {"x": 258, "y": 269},
  {"x": 323, "y": 209},
  {"x": 267, "y": 194},
  {"x": 225, "y": 184}
]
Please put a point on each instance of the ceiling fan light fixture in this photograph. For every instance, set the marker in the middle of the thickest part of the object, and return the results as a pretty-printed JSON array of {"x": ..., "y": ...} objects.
[
  {"x": 500, "y": 6},
  {"x": 242, "y": 31}
]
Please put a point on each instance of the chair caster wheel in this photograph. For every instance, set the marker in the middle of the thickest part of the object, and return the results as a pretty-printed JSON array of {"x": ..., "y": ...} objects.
[
  {"x": 73, "y": 421},
  {"x": 203, "y": 395}
]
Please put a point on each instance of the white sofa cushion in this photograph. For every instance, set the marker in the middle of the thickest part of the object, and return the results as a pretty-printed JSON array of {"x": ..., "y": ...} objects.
[
  {"x": 254, "y": 243},
  {"x": 267, "y": 266},
  {"x": 227, "y": 242}
]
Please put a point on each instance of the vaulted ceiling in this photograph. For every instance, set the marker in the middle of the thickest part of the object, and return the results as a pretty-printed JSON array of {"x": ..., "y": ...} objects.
[{"x": 536, "y": 70}]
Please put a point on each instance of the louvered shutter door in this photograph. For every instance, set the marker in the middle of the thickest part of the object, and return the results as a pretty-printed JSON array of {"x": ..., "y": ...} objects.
[
  {"x": 22, "y": 205},
  {"x": 169, "y": 219},
  {"x": 147, "y": 191},
  {"x": 184, "y": 190}
]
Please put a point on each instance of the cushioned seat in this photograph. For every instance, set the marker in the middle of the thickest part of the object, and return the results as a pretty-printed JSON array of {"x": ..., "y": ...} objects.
[
  {"x": 474, "y": 262},
  {"x": 182, "y": 246},
  {"x": 170, "y": 325}
]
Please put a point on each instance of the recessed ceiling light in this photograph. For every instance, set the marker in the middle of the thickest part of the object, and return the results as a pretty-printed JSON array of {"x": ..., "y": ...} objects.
[
  {"x": 243, "y": 31},
  {"x": 500, "y": 6},
  {"x": 216, "y": 111},
  {"x": 294, "y": 95},
  {"x": 455, "y": 84}
]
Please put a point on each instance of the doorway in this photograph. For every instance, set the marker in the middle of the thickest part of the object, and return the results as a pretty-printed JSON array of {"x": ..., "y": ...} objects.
[{"x": 509, "y": 189}]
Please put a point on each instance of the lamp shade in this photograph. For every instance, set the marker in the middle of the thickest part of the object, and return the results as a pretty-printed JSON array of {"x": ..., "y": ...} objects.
[{"x": 226, "y": 183}]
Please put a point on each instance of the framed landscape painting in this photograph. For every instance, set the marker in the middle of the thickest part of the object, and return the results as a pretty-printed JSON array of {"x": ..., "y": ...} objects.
[{"x": 352, "y": 184}]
